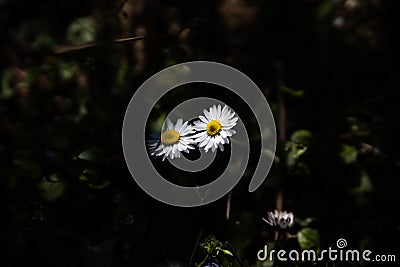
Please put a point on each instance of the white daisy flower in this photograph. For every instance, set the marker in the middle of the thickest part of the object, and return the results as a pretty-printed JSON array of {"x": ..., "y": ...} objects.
[
  {"x": 280, "y": 219},
  {"x": 214, "y": 128},
  {"x": 172, "y": 141}
]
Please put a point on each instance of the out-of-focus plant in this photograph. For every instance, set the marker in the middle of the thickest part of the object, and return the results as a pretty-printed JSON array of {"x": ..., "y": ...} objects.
[{"x": 216, "y": 253}]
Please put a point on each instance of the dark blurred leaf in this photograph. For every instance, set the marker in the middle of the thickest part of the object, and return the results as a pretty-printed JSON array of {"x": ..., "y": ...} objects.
[
  {"x": 92, "y": 179},
  {"x": 308, "y": 238},
  {"x": 290, "y": 92},
  {"x": 50, "y": 190},
  {"x": 67, "y": 70},
  {"x": 349, "y": 154},
  {"x": 294, "y": 152},
  {"x": 91, "y": 154},
  {"x": 81, "y": 31},
  {"x": 6, "y": 87},
  {"x": 301, "y": 137},
  {"x": 325, "y": 9}
]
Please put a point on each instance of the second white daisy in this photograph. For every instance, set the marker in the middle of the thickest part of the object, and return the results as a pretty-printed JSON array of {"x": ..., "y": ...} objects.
[
  {"x": 215, "y": 128},
  {"x": 173, "y": 140}
]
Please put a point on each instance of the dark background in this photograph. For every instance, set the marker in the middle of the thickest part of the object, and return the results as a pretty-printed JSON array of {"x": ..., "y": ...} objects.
[{"x": 329, "y": 70}]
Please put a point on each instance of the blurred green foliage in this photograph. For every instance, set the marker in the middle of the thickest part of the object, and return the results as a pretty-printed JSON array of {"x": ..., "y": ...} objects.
[{"x": 69, "y": 199}]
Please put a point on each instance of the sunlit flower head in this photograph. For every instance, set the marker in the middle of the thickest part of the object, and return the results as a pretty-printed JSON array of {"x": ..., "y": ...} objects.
[
  {"x": 280, "y": 219},
  {"x": 214, "y": 128},
  {"x": 172, "y": 141}
]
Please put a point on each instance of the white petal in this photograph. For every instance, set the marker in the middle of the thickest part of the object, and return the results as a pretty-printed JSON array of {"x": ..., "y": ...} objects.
[
  {"x": 199, "y": 126},
  {"x": 165, "y": 152},
  {"x": 173, "y": 151},
  {"x": 203, "y": 119},
  {"x": 213, "y": 149},
  {"x": 181, "y": 147},
  {"x": 221, "y": 147},
  {"x": 207, "y": 114},
  {"x": 170, "y": 126},
  {"x": 224, "y": 112},
  {"x": 233, "y": 120},
  {"x": 227, "y": 122},
  {"x": 215, "y": 145},
  {"x": 178, "y": 125},
  {"x": 214, "y": 112},
  {"x": 210, "y": 144},
  {"x": 267, "y": 221},
  {"x": 185, "y": 130},
  {"x": 216, "y": 139},
  {"x": 227, "y": 127},
  {"x": 198, "y": 129},
  {"x": 220, "y": 140},
  {"x": 199, "y": 134},
  {"x": 230, "y": 132},
  {"x": 226, "y": 140},
  {"x": 188, "y": 147},
  {"x": 205, "y": 141},
  {"x": 201, "y": 138},
  {"x": 186, "y": 140},
  {"x": 223, "y": 134},
  {"x": 231, "y": 115},
  {"x": 218, "y": 112}
]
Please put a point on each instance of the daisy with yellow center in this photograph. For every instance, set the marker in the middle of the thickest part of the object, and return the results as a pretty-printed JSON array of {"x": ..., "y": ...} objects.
[
  {"x": 172, "y": 141},
  {"x": 214, "y": 128}
]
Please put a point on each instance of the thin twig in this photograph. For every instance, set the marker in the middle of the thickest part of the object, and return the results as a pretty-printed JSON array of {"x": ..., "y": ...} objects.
[
  {"x": 281, "y": 103},
  {"x": 70, "y": 48},
  {"x": 281, "y": 128},
  {"x": 228, "y": 205}
]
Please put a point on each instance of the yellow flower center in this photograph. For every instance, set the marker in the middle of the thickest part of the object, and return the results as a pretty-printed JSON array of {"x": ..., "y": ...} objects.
[
  {"x": 213, "y": 127},
  {"x": 170, "y": 137}
]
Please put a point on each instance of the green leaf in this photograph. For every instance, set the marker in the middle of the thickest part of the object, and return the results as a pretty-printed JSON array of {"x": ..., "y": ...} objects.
[
  {"x": 82, "y": 31},
  {"x": 225, "y": 251},
  {"x": 42, "y": 40},
  {"x": 290, "y": 92},
  {"x": 86, "y": 155},
  {"x": 308, "y": 238},
  {"x": 67, "y": 70},
  {"x": 91, "y": 154},
  {"x": 211, "y": 244},
  {"x": 89, "y": 177},
  {"x": 294, "y": 152},
  {"x": 101, "y": 185},
  {"x": 301, "y": 137},
  {"x": 364, "y": 186},
  {"x": 306, "y": 222},
  {"x": 6, "y": 89},
  {"x": 349, "y": 154},
  {"x": 51, "y": 191}
]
